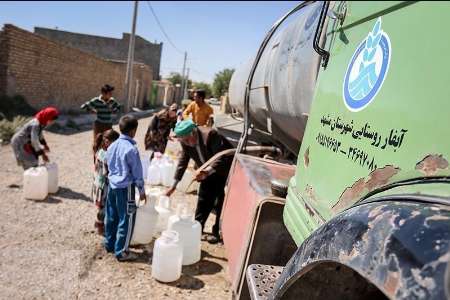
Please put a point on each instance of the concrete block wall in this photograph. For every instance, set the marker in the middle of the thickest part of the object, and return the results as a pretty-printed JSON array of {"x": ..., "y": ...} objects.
[{"x": 108, "y": 48}]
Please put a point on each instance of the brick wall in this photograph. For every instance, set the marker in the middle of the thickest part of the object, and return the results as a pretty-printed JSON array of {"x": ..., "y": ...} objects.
[
  {"x": 3, "y": 62},
  {"x": 49, "y": 73},
  {"x": 108, "y": 48}
]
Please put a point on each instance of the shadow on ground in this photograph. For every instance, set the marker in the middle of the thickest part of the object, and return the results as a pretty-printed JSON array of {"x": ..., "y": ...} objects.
[
  {"x": 207, "y": 255},
  {"x": 67, "y": 193},
  {"x": 48, "y": 200},
  {"x": 187, "y": 281},
  {"x": 68, "y": 129},
  {"x": 63, "y": 192}
]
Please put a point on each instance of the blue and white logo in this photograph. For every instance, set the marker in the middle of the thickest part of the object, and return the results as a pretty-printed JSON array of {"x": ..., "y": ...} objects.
[{"x": 367, "y": 69}]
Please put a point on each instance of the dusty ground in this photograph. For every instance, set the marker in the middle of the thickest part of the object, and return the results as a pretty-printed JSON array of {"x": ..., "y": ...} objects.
[{"x": 48, "y": 249}]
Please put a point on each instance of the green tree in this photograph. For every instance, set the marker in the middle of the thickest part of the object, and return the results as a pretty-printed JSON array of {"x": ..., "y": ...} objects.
[
  {"x": 203, "y": 86},
  {"x": 176, "y": 78},
  {"x": 222, "y": 82}
]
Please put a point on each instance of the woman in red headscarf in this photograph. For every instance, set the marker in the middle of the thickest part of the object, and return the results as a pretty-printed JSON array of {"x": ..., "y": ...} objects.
[{"x": 28, "y": 142}]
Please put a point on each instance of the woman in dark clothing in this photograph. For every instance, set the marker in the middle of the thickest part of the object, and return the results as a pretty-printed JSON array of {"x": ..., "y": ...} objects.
[
  {"x": 158, "y": 131},
  {"x": 28, "y": 142}
]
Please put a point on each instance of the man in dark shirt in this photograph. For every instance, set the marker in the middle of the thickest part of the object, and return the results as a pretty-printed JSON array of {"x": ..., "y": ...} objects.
[
  {"x": 103, "y": 106},
  {"x": 200, "y": 144}
]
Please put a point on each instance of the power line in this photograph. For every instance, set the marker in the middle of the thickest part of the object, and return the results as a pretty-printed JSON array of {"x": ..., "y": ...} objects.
[
  {"x": 170, "y": 41},
  {"x": 162, "y": 29}
]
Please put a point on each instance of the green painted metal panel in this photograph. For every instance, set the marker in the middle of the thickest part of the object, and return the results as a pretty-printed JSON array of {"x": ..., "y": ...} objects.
[
  {"x": 433, "y": 189},
  {"x": 401, "y": 133}
]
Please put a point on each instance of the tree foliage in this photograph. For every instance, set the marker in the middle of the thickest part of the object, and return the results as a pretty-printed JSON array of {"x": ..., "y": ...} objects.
[
  {"x": 222, "y": 82},
  {"x": 203, "y": 86},
  {"x": 176, "y": 78},
  {"x": 8, "y": 128}
]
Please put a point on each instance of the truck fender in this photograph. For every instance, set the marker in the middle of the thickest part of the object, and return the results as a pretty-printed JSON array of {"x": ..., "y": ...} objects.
[{"x": 395, "y": 249}]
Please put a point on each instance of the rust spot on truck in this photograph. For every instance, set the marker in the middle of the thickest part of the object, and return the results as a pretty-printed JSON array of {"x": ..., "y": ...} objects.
[
  {"x": 376, "y": 179},
  {"x": 431, "y": 164},
  {"x": 349, "y": 194},
  {"x": 308, "y": 209},
  {"x": 380, "y": 177},
  {"x": 392, "y": 282},
  {"x": 306, "y": 158},
  {"x": 309, "y": 191}
]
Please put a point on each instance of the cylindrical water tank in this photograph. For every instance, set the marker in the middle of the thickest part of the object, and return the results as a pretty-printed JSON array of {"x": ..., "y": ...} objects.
[{"x": 283, "y": 84}]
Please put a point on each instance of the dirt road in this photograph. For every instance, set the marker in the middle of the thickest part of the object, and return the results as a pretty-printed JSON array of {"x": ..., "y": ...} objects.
[{"x": 49, "y": 249}]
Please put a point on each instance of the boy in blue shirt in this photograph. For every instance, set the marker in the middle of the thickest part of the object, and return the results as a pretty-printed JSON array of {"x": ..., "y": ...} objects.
[{"x": 125, "y": 175}]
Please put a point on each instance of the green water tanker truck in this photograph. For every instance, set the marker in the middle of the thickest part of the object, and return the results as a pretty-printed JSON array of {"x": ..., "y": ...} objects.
[{"x": 356, "y": 96}]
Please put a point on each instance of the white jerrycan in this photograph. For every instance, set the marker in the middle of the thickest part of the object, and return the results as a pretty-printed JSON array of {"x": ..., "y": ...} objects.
[
  {"x": 146, "y": 220},
  {"x": 185, "y": 181},
  {"x": 145, "y": 161},
  {"x": 189, "y": 232},
  {"x": 35, "y": 183},
  {"x": 153, "y": 174},
  {"x": 181, "y": 208},
  {"x": 167, "y": 257},
  {"x": 164, "y": 212},
  {"x": 167, "y": 173},
  {"x": 52, "y": 169}
]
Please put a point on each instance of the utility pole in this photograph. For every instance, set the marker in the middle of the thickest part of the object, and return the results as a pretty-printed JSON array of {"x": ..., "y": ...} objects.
[
  {"x": 130, "y": 61},
  {"x": 185, "y": 95},
  {"x": 183, "y": 77}
]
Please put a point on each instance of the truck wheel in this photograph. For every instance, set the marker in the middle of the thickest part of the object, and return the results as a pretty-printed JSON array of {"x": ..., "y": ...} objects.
[{"x": 330, "y": 280}]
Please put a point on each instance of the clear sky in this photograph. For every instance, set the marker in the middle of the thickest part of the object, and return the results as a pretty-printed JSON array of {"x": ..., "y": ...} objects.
[{"x": 216, "y": 35}]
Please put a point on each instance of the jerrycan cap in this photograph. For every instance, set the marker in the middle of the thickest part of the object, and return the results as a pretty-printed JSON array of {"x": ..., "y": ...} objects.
[
  {"x": 185, "y": 215},
  {"x": 170, "y": 236}
]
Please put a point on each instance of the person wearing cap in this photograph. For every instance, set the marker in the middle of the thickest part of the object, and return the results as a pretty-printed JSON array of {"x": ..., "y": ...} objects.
[
  {"x": 200, "y": 144},
  {"x": 104, "y": 106},
  {"x": 201, "y": 111},
  {"x": 28, "y": 142},
  {"x": 159, "y": 129}
]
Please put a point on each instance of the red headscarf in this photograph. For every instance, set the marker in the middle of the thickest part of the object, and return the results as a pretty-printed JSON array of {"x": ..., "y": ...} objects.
[{"x": 46, "y": 115}]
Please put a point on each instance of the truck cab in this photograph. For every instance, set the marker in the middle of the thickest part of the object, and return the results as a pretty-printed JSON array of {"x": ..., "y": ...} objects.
[{"x": 368, "y": 202}]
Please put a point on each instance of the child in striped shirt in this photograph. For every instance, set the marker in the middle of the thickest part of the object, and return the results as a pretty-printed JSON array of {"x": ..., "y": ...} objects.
[{"x": 104, "y": 106}]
